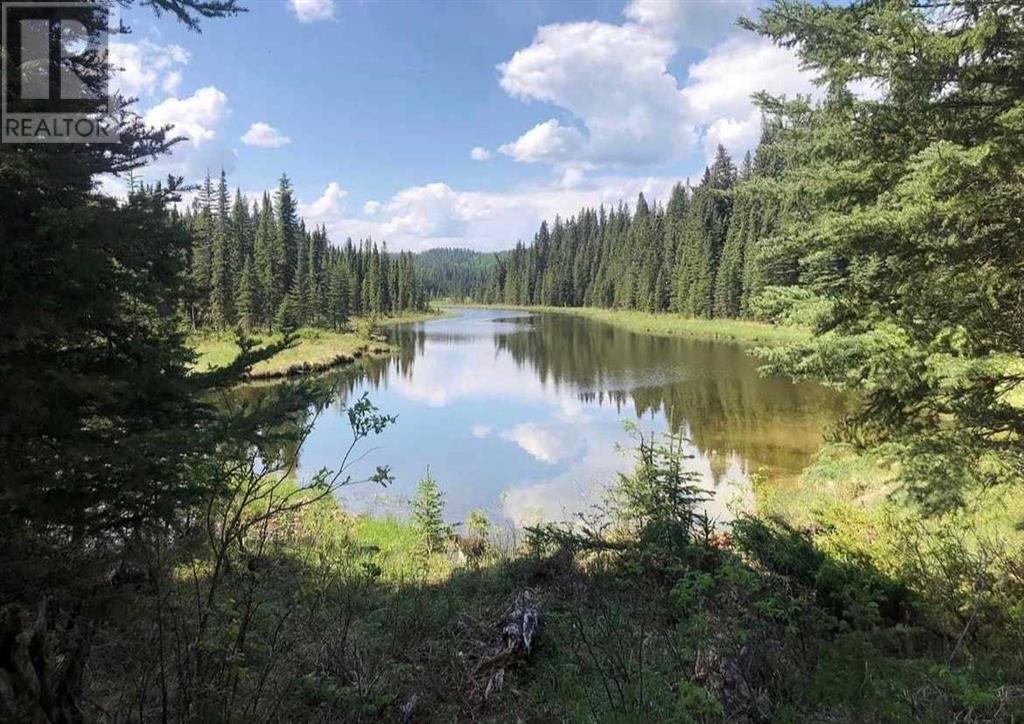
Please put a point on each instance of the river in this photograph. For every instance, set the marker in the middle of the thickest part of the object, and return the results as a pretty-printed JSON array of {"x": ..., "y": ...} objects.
[{"x": 522, "y": 414}]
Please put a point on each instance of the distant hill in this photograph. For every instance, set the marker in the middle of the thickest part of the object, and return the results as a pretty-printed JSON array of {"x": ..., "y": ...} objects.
[{"x": 454, "y": 273}]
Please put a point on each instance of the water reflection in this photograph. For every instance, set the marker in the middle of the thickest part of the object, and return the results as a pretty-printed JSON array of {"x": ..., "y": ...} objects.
[{"x": 522, "y": 415}]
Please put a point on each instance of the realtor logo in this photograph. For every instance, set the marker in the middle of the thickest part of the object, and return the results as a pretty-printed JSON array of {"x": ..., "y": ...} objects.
[{"x": 55, "y": 74}]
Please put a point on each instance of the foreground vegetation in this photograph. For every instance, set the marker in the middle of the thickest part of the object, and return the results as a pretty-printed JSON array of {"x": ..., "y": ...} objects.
[
  {"x": 313, "y": 349},
  {"x": 644, "y": 611}
]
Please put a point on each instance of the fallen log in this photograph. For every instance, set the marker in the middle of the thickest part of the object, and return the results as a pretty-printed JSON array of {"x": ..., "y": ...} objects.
[{"x": 519, "y": 631}]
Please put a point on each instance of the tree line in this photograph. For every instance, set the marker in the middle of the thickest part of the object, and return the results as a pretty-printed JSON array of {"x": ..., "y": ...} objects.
[
  {"x": 455, "y": 273},
  {"x": 701, "y": 254},
  {"x": 258, "y": 267}
]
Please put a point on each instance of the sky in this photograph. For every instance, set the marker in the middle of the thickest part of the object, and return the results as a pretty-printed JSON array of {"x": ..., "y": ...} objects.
[{"x": 427, "y": 124}]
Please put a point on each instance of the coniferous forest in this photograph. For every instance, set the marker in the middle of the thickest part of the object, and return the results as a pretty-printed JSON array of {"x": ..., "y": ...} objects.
[
  {"x": 706, "y": 252},
  {"x": 258, "y": 267}
]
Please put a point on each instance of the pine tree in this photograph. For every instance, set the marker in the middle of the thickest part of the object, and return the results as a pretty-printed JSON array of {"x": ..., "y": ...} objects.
[{"x": 101, "y": 420}]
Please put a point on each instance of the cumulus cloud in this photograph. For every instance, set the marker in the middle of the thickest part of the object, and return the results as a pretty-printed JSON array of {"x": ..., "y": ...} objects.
[
  {"x": 481, "y": 431},
  {"x": 370, "y": 208},
  {"x": 722, "y": 83},
  {"x": 143, "y": 68},
  {"x": 195, "y": 117},
  {"x": 264, "y": 135},
  {"x": 613, "y": 79},
  {"x": 433, "y": 211},
  {"x": 719, "y": 87},
  {"x": 548, "y": 141},
  {"x": 311, "y": 11},
  {"x": 624, "y": 104},
  {"x": 330, "y": 203},
  {"x": 479, "y": 153}
]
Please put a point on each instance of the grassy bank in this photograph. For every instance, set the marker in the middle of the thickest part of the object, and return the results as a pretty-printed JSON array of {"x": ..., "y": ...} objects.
[
  {"x": 676, "y": 325},
  {"x": 315, "y": 349}
]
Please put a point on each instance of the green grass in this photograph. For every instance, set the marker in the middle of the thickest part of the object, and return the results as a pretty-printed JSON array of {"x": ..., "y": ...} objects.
[
  {"x": 315, "y": 349},
  {"x": 677, "y": 325},
  {"x": 395, "y": 541}
]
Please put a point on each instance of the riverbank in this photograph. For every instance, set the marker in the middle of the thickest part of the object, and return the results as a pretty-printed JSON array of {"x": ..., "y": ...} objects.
[
  {"x": 668, "y": 324},
  {"x": 315, "y": 350}
]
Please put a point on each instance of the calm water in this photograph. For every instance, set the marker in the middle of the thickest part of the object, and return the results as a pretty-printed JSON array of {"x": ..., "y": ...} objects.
[{"x": 522, "y": 414}]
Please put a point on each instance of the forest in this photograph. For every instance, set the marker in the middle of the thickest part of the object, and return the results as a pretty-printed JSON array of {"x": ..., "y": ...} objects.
[
  {"x": 259, "y": 268},
  {"x": 456, "y": 274},
  {"x": 704, "y": 253},
  {"x": 165, "y": 558}
]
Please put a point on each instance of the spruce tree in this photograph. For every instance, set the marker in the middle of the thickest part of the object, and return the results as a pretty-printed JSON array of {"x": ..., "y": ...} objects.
[
  {"x": 247, "y": 301},
  {"x": 286, "y": 242},
  {"x": 221, "y": 303},
  {"x": 202, "y": 251},
  {"x": 338, "y": 296},
  {"x": 906, "y": 217},
  {"x": 100, "y": 419},
  {"x": 428, "y": 516}
]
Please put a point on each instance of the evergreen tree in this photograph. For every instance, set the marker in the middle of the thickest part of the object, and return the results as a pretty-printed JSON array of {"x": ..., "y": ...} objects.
[
  {"x": 202, "y": 251},
  {"x": 266, "y": 262},
  {"x": 428, "y": 516},
  {"x": 338, "y": 298},
  {"x": 906, "y": 218},
  {"x": 221, "y": 303},
  {"x": 100, "y": 416},
  {"x": 248, "y": 301},
  {"x": 286, "y": 240}
]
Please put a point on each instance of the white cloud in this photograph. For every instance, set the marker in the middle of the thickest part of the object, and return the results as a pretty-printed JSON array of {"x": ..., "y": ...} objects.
[
  {"x": 331, "y": 203},
  {"x": 572, "y": 177},
  {"x": 549, "y": 141},
  {"x": 195, "y": 117},
  {"x": 719, "y": 88},
  {"x": 481, "y": 431},
  {"x": 144, "y": 67},
  {"x": 694, "y": 23},
  {"x": 613, "y": 79},
  {"x": 479, "y": 153},
  {"x": 264, "y": 135},
  {"x": 735, "y": 135},
  {"x": 722, "y": 83},
  {"x": 625, "y": 106},
  {"x": 432, "y": 211},
  {"x": 311, "y": 11},
  {"x": 370, "y": 208}
]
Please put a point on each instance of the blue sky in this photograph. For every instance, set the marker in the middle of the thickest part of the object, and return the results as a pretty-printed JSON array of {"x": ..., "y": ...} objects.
[{"x": 374, "y": 108}]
